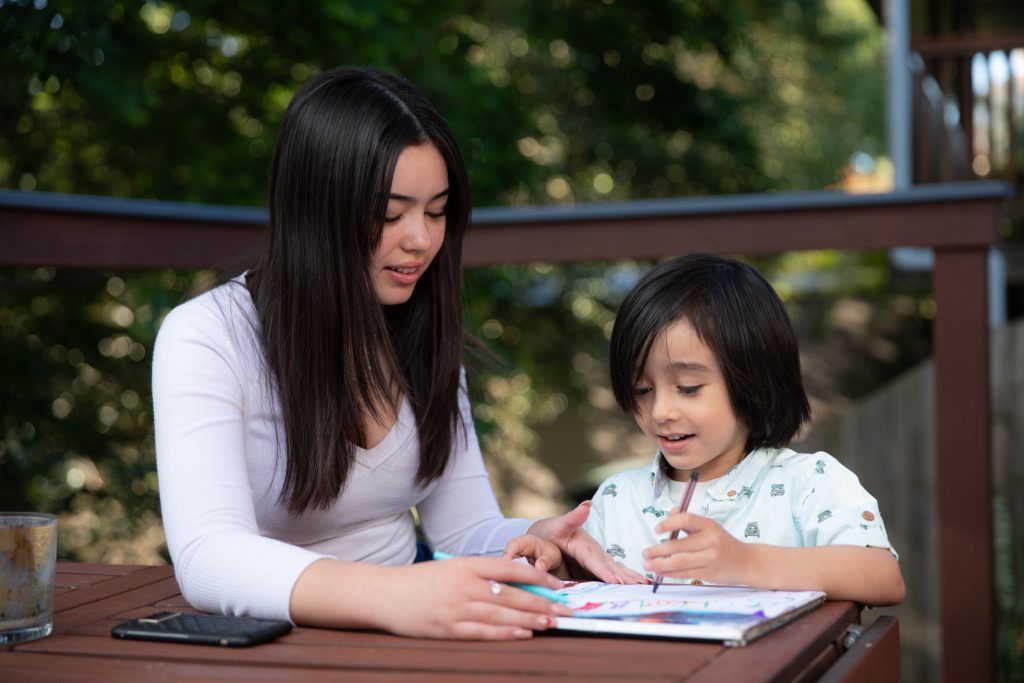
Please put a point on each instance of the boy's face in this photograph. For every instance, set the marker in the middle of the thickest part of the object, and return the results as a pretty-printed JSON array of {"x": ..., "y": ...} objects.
[{"x": 683, "y": 406}]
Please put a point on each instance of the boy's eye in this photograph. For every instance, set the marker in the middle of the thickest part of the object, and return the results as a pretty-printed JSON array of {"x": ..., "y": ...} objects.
[{"x": 689, "y": 391}]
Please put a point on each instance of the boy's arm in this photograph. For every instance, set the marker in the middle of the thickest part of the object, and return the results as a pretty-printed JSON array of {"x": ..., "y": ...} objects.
[
  {"x": 870, "y": 576},
  {"x": 844, "y": 572}
]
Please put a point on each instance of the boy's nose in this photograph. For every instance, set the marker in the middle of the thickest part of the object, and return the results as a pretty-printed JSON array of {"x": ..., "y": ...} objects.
[{"x": 664, "y": 409}]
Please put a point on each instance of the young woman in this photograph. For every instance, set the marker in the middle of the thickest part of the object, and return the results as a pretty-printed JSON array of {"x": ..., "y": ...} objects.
[
  {"x": 304, "y": 407},
  {"x": 704, "y": 357}
]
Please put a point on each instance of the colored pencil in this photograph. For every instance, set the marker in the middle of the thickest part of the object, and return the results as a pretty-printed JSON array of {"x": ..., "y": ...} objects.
[
  {"x": 690, "y": 487},
  {"x": 528, "y": 587}
]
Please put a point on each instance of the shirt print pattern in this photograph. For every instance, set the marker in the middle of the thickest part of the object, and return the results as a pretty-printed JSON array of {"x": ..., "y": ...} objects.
[{"x": 775, "y": 496}]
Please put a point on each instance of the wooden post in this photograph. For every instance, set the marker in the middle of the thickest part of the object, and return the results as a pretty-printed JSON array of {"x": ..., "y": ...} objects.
[{"x": 964, "y": 471}]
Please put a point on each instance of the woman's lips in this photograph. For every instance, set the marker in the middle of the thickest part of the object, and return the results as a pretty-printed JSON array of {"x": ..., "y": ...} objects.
[{"x": 406, "y": 275}]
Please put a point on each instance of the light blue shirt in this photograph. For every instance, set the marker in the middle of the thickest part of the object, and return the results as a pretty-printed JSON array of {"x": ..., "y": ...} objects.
[{"x": 774, "y": 495}]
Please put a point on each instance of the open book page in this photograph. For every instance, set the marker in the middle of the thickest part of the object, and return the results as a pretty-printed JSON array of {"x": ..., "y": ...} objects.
[{"x": 732, "y": 614}]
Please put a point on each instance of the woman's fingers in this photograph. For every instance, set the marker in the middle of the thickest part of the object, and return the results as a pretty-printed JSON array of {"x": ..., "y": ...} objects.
[
  {"x": 474, "y": 598},
  {"x": 508, "y": 610},
  {"x": 501, "y": 595},
  {"x": 505, "y": 612},
  {"x": 514, "y": 572}
]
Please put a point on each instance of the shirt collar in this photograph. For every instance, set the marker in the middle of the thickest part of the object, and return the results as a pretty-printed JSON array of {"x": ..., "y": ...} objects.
[{"x": 737, "y": 480}]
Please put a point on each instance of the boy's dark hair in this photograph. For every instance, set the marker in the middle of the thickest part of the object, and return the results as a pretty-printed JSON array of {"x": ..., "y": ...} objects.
[{"x": 740, "y": 318}]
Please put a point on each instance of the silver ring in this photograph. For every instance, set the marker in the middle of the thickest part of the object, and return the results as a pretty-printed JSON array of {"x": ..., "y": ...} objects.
[{"x": 495, "y": 589}]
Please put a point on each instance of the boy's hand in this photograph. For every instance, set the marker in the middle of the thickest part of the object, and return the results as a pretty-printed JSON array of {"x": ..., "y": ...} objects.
[
  {"x": 708, "y": 552},
  {"x": 542, "y": 554},
  {"x": 867, "y": 575},
  {"x": 580, "y": 550}
]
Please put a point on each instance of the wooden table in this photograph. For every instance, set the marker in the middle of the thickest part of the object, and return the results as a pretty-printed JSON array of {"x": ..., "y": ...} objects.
[{"x": 91, "y": 598}]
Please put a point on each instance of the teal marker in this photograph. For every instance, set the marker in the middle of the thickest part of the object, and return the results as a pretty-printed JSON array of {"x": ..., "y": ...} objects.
[{"x": 528, "y": 587}]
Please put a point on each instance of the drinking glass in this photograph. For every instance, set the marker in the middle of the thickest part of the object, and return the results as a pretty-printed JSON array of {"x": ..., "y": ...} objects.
[{"x": 28, "y": 558}]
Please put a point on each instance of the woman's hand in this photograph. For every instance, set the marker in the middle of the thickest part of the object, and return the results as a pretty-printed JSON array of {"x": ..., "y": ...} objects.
[
  {"x": 576, "y": 544},
  {"x": 462, "y": 598},
  {"x": 469, "y": 598},
  {"x": 541, "y": 554},
  {"x": 708, "y": 552}
]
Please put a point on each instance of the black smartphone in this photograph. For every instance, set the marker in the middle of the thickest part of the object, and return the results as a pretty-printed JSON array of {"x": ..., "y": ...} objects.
[{"x": 202, "y": 629}]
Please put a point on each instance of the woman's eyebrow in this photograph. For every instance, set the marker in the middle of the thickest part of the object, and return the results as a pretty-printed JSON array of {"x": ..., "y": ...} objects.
[
  {"x": 406, "y": 198},
  {"x": 689, "y": 366}
]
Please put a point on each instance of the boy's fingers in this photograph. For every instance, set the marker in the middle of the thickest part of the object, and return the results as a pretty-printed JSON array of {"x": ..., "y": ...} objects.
[
  {"x": 517, "y": 547},
  {"x": 681, "y": 521},
  {"x": 627, "y": 575}
]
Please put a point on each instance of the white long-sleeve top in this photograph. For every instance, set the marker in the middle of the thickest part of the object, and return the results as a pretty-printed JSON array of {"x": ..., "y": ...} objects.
[{"x": 221, "y": 463}]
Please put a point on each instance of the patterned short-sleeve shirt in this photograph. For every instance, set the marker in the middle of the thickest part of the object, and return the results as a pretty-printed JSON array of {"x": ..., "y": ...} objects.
[{"x": 774, "y": 495}]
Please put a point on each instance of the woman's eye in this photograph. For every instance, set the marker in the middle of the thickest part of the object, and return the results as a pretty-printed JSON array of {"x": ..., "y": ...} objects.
[
  {"x": 641, "y": 391},
  {"x": 689, "y": 391},
  {"x": 392, "y": 219},
  {"x": 436, "y": 214}
]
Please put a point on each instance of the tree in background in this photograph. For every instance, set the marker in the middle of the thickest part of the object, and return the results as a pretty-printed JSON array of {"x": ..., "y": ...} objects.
[{"x": 562, "y": 102}]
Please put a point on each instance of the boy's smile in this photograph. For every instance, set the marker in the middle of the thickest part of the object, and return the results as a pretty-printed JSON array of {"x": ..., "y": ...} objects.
[{"x": 683, "y": 406}]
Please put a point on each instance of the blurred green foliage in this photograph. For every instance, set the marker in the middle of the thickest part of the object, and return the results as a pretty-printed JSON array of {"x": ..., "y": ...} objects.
[
  {"x": 563, "y": 101},
  {"x": 76, "y": 426}
]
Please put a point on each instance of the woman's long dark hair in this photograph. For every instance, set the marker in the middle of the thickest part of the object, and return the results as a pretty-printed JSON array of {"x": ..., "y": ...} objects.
[{"x": 335, "y": 355}]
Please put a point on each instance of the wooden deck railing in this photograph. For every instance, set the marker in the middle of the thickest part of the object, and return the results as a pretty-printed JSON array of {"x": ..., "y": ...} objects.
[
  {"x": 958, "y": 220},
  {"x": 979, "y": 77}
]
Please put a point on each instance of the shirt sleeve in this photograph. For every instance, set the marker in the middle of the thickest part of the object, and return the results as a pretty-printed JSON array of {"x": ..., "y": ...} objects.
[
  {"x": 221, "y": 561},
  {"x": 461, "y": 515},
  {"x": 595, "y": 524},
  {"x": 834, "y": 509}
]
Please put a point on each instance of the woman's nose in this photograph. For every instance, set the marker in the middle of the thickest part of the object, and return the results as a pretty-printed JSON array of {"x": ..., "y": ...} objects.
[{"x": 416, "y": 233}]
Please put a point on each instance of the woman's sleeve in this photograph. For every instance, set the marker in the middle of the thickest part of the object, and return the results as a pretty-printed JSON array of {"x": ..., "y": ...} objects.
[
  {"x": 221, "y": 562},
  {"x": 461, "y": 515}
]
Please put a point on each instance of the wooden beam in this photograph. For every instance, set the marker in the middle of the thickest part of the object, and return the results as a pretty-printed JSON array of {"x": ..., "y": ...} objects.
[
  {"x": 39, "y": 229},
  {"x": 761, "y": 231},
  {"x": 965, "y": 44},
  {"x": 114, "y": 242},
  {"x": 964, "y": 469}
]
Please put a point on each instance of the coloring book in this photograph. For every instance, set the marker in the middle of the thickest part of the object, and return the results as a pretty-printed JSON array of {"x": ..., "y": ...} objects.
[{"x": 734, "y": 615}]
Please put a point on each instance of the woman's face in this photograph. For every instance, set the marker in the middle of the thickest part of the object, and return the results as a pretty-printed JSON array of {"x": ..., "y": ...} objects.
[{"x": 413, "y": 224}]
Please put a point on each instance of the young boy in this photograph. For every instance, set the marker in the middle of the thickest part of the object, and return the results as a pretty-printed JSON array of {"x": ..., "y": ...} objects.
[{"x": 705, "y": 358}]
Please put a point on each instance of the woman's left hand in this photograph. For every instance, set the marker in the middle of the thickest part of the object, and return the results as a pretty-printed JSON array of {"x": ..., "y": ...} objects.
[{"x": 576, "y": 544}]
